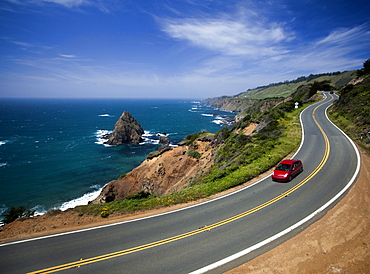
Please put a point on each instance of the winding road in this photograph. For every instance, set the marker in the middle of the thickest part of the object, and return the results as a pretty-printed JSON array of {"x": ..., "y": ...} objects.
[{"x": 214, "y": 236}]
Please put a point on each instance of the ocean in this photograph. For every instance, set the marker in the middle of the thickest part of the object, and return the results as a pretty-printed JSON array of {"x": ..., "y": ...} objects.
[{"x": 52, "y": 155}]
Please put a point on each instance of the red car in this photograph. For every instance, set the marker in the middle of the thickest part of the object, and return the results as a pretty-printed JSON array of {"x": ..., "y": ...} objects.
[{"x": 287, "y": 170}]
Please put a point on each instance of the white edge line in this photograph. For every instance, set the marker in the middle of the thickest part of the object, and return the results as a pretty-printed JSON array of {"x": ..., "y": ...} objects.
[
  {"x": 296, "y": 225},
  {"x": 151, "y": 216}
]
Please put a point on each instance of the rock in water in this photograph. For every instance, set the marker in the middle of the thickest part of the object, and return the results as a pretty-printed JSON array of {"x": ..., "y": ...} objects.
[{"x": 126, "y": 131}]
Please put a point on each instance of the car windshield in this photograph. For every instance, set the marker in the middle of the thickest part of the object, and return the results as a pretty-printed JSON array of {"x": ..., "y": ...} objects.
[{"x": 283, "y": 167}]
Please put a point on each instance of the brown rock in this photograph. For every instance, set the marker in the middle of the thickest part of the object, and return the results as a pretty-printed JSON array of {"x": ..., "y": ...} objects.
[{"x": 126, "y": 131}]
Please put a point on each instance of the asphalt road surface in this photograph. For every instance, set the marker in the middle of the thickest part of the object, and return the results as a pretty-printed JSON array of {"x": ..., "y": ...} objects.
[{"x": 212, "y": 237}]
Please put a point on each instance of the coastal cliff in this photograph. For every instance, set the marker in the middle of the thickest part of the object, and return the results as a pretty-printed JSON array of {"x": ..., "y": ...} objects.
[
  {"x": 243, "y": 106},
  {"x": 126, "y": 131},
  {"x": 170, "y": 171}
]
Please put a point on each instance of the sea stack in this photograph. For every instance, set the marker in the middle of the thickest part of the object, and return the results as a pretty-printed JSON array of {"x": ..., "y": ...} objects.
[{"x": 126, "y": 131}]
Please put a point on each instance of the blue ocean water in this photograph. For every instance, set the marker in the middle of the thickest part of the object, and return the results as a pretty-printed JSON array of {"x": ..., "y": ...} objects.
[{"x": 51, "y": 155}]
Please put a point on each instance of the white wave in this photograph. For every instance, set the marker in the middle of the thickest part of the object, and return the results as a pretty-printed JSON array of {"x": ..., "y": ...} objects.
[
  {"x": 162, "y": 134},
  {"x": 84, "y": 200},
  {"x": 149, "y": 141},
  {"x": 105, "y": 115},
  {"x": 3, "y": 164},
  {"x": 219, "y": 122},
  {"x": 96, "y": 186},
  {"x": 3, "y": 209},
  {"x": 39, "y": 210},
  {"x": 208, "y": 115},
  {"x": 3, "y": 142},
  {"x": 99, "y": 137},
  {"x": 147, "y": 133}
]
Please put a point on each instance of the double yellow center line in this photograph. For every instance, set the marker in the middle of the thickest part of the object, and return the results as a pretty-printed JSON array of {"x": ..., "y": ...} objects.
[{"x": 82, "y": 262}]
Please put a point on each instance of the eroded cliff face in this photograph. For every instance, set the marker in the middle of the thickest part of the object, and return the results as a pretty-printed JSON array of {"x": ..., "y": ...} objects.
[{"x": 171, "y": 171}]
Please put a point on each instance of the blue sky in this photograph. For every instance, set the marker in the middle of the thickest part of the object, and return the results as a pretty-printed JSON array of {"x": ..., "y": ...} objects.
[{"x": 174, "y": 48}]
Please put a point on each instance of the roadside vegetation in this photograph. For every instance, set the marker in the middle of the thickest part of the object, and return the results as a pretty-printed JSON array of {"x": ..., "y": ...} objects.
[{"x": 352, "y": 111}]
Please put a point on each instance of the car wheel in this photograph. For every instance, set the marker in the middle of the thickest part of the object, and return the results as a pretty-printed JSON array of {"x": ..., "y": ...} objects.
[{"x": 290, "y": 178}]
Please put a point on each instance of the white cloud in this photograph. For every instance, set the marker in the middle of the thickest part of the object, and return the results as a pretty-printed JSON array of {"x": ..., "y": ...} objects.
[
  {"x": 230, "y": 37},
  {"x": 343, "y": 36},
  {"x": 67, "y": 56},
  {"x": 104, "y": 6},
  {"x": 68, "y": 3}
]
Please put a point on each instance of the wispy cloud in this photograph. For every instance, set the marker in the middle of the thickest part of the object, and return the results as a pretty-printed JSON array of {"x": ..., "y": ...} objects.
[
  {"x": 30, "y": 47},
  {"x": 67, "y": 56},
  {"x": 66, "y": 3},
  {"x": 69, "y": 3},
  {"x": 243, "y": 44},
  {"x": 104, "y": 6},
  {"x": 346, "y": 35},
  {"x": 229, "y": 37}
]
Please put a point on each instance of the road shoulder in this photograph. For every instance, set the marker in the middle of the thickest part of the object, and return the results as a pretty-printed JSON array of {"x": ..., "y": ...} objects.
[{"x": 337, "y": 243}]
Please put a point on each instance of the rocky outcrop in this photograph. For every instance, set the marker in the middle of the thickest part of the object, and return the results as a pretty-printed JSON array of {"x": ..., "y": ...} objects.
[
  {"x": 126, "y": 131},
  {"x": 164, "y": 141},
  {"x": 171, "y": 171}
]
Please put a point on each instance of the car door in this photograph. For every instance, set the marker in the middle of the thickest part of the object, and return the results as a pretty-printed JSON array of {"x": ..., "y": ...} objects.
[{"x": 295, "y": 168}]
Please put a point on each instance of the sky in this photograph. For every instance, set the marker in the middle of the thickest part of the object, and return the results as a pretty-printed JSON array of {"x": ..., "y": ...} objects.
[{"x": 174, "y": 48}]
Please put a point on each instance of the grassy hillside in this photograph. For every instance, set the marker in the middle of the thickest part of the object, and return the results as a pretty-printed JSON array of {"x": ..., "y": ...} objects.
[
  {"x": 352, "y": 111},
  {"x": 287, "y": 88}
]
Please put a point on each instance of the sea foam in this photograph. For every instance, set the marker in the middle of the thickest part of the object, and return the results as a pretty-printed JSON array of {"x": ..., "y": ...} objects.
[
  {"x": 99, "y": 137},
  {"x": 84, "y": 200}
]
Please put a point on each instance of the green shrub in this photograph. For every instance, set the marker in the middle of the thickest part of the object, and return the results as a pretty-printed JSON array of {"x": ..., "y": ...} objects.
[
  {"x": 122, "y": 176},
  {"x": 191, "y": 138},
  {"x": 158, "y": 152},
  {"x": 194, "y": 154},
  {"x": 137, "y": 196},
  {"x": 104, "y": 214},
  {"x": 15, "y": 213}
]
